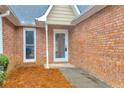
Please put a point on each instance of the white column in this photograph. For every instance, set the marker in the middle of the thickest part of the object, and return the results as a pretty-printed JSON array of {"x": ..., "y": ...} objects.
[
  {"x": 1, "y": 36},
  {"x": 47, "y": 49},
  {"x": 1, "y": 30}
]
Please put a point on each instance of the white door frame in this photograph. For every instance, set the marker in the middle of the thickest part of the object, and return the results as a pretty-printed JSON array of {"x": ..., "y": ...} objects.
[
  {"x": 24, "y": 45},
  {"x": 66, "y": 41}
]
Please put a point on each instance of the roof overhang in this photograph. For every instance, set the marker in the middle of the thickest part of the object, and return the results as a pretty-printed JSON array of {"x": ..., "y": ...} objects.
[
  {"x": 11, "y": 17},
  {"x": 34, "y": 24},
  {"x": 44, "y": 17},
  {"x": 86, "y": 14},
  {"x": 40, "y": 22}
]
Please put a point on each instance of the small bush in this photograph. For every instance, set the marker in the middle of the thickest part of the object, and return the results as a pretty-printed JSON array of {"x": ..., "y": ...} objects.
[
  {"x": 4, "y": 61},
  {"x": 2, "y": 78}
]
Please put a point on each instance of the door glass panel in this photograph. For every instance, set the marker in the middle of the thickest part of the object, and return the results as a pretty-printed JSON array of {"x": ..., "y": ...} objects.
[
  {"x": 60, "y": 45},
  {"x": 29, "y": 52},
  {"x": 29, "y": 45},
  {"x": 29, "y": 37}
]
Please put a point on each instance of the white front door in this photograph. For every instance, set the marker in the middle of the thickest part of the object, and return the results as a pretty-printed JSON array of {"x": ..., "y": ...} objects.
[{"x": 60, "y": 45}]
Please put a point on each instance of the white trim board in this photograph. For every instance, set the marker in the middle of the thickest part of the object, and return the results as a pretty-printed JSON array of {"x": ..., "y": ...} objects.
[
  {"x": 24, "y": 45},
  {"x": 87, "y": 13},
  {"x": 44, "y": 17},
  {"x": 76, "y": 9},
  {"x": 1, "y": 36},
  {"x": 66, "y": 37}
]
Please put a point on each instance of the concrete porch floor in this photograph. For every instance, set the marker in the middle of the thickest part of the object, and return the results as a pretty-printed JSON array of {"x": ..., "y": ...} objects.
[{"x": 82, "y": 79}]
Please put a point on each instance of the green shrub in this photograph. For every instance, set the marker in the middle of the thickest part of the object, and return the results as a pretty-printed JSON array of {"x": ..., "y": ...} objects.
[
  {"x": 2, "y": 78},
  {"x": 4, "y": 61}
]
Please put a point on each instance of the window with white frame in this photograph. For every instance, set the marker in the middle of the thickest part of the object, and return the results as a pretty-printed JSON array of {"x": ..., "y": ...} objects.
[{"x": 30, "y": 45}]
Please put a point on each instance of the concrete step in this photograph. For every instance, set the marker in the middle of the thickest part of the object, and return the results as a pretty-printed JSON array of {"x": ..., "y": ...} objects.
[{"x": 64, "y": 65}]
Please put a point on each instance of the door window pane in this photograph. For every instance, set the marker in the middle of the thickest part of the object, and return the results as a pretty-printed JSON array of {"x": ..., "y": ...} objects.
[
  {"x": 29, "y": 52},
  {"x": 60, "y": 45},
  {"x": 29, "y": 37}
]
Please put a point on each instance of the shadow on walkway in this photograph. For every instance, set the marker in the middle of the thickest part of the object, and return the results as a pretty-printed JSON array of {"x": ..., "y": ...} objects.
[{"x": 82, "y": 79}]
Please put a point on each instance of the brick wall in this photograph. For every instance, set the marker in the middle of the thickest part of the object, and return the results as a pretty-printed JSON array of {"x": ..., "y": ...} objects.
[
  {"x": 97, "y": 45},
  {"x": 9, "y": 41},
  {"x": 40, "y": 47},
  {"x": 19, "y": 46},
  {"x": 13, "y": 44}
]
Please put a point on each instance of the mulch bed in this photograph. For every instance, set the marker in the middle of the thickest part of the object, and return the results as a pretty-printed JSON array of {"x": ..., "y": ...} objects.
[{"x": 36, "y": 77}]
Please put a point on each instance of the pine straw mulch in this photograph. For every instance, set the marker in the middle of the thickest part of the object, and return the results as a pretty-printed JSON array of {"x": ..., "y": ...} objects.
[{"x": 36, "y": 77}]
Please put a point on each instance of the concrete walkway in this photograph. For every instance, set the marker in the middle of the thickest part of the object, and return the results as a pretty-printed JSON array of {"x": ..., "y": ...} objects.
[{"x": 82, "y": 79}]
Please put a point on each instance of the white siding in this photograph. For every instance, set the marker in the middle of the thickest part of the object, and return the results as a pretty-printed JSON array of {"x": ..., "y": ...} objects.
[
  {"x": 1, "y": 37},
  {"x": 61, "y": 14}
]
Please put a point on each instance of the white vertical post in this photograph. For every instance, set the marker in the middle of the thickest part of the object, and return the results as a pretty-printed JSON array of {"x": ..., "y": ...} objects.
[
  {"x": 47, "y": 49},
  {"x": 1, "y": 30},
  {"x": 1, "y": 36}
]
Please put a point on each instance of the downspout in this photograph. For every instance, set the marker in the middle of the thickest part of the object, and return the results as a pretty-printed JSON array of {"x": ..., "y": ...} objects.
[
  {"x": 47, "y": 49},
  {"x": 1, "y": 29}
]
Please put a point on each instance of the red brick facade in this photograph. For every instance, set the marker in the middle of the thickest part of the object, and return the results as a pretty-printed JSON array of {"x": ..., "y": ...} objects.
[
  {"x": 40, "y": 47},
  {"x": 13, "y": 44},
  {"x": 9, "y": 46},
  {"x": 97, "y": 45}
]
